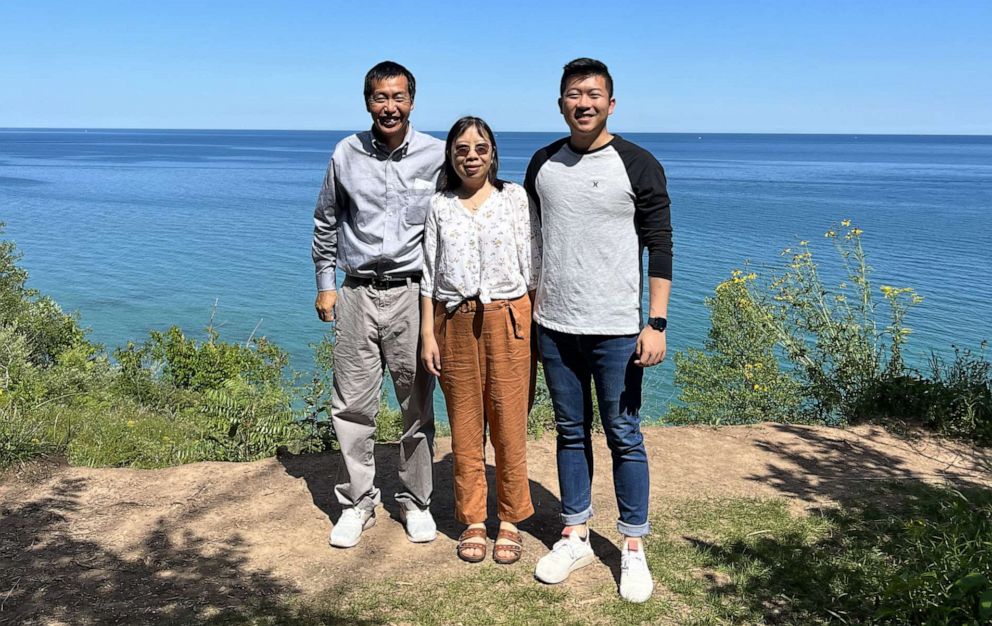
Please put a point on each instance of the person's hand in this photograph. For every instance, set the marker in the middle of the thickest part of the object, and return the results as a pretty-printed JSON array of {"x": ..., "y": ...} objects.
[
  {"x": 651, "y": 347},
  {"x": 325, "y": 305},
  {"x": 430, "y": 355}
]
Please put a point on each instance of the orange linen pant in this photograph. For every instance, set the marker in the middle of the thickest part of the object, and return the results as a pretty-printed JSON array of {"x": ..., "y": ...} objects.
[{"x": 486, "y": 377}]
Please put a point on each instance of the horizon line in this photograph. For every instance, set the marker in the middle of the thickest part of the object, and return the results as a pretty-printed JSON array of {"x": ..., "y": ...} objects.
[{"x": 562, "y": 132}]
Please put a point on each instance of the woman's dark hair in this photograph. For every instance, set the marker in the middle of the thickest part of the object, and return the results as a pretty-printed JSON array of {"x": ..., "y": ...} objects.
[
  {"x": 389, "y": 69},
  {"x": 584, "y": 68},
  {"x": 449, "y": 177}
]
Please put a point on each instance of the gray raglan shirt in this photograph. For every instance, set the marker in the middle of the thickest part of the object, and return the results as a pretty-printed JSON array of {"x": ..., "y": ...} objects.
[
  {"x": 370, "y": 213},
  {"x": 598, "y": 211}
]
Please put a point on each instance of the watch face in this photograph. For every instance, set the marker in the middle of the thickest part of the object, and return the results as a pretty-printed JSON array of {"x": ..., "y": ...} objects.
[{"x": 658, "y": 323}]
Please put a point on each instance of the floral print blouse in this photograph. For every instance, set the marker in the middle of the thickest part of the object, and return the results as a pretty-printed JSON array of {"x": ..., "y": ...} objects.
[{"x": 492, "y": 254}]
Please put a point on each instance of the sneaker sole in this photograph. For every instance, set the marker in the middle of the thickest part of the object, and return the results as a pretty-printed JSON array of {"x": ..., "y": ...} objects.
[
  {"x": 368, "y": 524},
  {"x": 421, "y": 539},
  {"x": 578, "y": 564}
]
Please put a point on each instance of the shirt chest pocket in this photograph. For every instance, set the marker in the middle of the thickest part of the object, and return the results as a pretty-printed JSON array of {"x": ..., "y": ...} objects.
[{"x": 415, "y": 203}]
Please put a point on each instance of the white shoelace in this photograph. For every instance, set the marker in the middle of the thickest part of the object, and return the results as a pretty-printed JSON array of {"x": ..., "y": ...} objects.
[{"x": 565, "y": 543}]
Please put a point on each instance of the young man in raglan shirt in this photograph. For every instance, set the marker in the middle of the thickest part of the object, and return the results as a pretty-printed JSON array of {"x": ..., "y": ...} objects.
[
  {"x": 602, "y": 200},
  {"x": 369, "y": 222}
]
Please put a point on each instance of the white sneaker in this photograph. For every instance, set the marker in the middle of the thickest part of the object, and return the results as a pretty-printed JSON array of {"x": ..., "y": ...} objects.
[
  {"x": 635, "y": 577},
  {"x": 348, "y": 530},
  {"x": 420, "y": 526},
  {"x": 567, "y": 555}
]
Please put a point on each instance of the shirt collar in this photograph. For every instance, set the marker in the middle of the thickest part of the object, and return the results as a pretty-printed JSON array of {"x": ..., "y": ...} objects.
[{"x": 403, "y": 148}]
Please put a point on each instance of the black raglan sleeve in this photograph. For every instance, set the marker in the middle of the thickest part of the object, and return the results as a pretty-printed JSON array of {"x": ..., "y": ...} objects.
[{"x": 652, "y": 217}]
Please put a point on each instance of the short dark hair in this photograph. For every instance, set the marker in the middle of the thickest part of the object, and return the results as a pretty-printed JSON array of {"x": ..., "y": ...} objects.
[
  {"x": 449, "y": 177},
  {"x": 584, "y": 68},
  {"x": 388, "y": 69}
]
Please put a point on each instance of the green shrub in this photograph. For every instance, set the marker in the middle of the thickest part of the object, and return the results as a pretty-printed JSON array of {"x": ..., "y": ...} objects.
[
  {"x": 45, "y": 330},
  {"x": 960, "y": 402},
  {"x": 23, "y": 437},
  {"x": 315, "y": 418},
  {"x": 830, "y": 340},
  {"x": 118, "y": 432},
  {"x": 833, "y": 336},
  {"x": 737, "y": 379},
  {"x": 942, "y": 551},
  {"x": 198, "y": 366},
  {"x": 229, "y": 401}
]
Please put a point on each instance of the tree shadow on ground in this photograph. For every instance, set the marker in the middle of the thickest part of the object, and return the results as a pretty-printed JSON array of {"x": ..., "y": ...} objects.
[
  {"x": 891, "y": 549},
  {"x": 49, "y": 576},
  {"x": 818, "y": 466}
]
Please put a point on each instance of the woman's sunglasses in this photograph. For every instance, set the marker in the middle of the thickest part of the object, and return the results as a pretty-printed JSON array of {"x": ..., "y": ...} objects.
[{"x": 481, "y": 149}]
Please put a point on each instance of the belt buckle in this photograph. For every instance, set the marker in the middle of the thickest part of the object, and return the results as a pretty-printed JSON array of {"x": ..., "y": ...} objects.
[{"x": 380, "y": 284}]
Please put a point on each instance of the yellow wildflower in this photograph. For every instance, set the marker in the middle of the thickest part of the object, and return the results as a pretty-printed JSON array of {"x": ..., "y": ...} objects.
[
  {"x": 35, "y": 441},
  {"x": 803, "y": 243},
  {"x": 130, "y": 423},
  {"x": 857, "y": 231},
  {"x": 887, "y": 290},
  {"x": 845, "y": 223},
  {"x": 752, "y": 276}
]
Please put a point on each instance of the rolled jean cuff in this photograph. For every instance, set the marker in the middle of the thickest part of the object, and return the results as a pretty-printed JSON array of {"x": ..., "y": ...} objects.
[
  {"x": 633, "y": 530},
  {"x": 574, "y": 519}
]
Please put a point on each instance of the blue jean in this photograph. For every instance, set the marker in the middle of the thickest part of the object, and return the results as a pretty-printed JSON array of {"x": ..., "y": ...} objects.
[{"x": 570, "y": 362}]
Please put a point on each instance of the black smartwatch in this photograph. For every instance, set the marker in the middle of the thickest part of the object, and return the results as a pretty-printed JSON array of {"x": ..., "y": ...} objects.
[{"x": 658, "y": 323}]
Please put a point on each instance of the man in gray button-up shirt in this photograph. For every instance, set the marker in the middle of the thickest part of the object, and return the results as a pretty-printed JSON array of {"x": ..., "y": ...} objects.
[{"x": 369, "y": 222}]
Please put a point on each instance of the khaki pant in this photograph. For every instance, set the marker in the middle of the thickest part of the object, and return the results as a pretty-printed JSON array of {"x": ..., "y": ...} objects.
[
  {"x": 379, "y": 329},
  {"x": 486, "y": 367}
]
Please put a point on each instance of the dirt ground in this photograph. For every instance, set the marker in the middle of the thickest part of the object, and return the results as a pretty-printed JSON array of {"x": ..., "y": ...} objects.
[{"x": 84, "y": 546}]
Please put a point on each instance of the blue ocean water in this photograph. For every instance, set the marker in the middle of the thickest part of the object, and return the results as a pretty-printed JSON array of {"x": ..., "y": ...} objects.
[{"x": 142, "y": 229}]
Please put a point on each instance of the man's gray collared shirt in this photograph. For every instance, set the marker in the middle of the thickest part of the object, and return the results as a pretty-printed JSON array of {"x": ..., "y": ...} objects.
[{"x": 370, "y": 213}]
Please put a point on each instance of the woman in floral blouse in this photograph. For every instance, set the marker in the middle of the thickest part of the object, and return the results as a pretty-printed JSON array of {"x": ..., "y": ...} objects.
[{"x": 482, "y": 258}]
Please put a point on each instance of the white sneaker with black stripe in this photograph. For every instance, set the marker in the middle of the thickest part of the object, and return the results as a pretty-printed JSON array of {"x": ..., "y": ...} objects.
[{"x": 569, "y": 553}]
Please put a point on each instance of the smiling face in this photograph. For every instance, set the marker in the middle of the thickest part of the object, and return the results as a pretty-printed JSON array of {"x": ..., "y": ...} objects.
[
  {"x": 586, "y": 105},
  {"x": 390, "y": 105},
  {"x": 471, "y": 156}
]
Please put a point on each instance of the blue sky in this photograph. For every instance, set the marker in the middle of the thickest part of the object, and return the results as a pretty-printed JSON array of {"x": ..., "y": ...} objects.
[{"x": 759, "y": 66}]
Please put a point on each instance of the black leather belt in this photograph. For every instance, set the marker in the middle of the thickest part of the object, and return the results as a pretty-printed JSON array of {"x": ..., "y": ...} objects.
[{"x": 381, "y": 284}]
